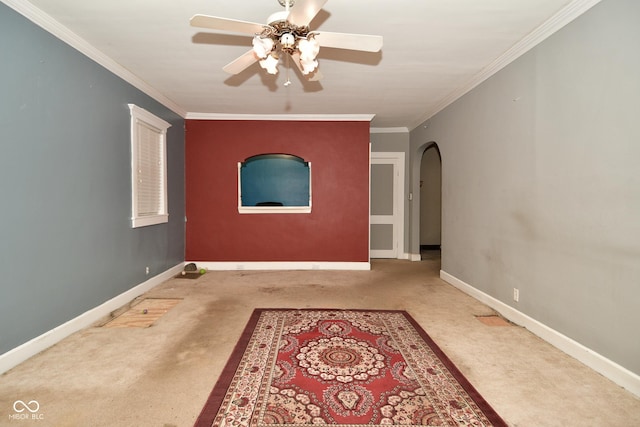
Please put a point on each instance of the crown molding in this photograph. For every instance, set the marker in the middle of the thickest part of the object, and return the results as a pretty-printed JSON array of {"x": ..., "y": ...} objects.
[
  {"x": 283, "y": 117},
  {"x": 390, "y": 130},
  {"x": 46, "y": 22},
  {"x": 546, "y": 29}
]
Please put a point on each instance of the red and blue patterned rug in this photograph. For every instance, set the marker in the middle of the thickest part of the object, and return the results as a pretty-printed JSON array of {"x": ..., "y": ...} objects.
[{"x": 341, "y": 367}]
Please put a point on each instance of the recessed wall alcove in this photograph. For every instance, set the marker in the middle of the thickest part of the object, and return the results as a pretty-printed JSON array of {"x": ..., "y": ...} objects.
[{"x": 274, "y": 183}]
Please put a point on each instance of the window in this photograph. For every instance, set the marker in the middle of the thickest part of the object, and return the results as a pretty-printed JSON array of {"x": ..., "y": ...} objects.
[
  {"x": 274, "y": 183},
  {"x": 148, "y": 168}
]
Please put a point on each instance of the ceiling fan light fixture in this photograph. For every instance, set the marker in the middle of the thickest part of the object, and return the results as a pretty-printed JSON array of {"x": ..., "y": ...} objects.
[
  {"x": 270, "y": 63},
  {"x": 287, "y": 41},
  {"x": 309, "y": 49},
  {"x": 308, "y": 66},
  {"x": 262, "y": 46},
  {"x": 285, "y": 38},
  {"x": 287, "y": 32}
]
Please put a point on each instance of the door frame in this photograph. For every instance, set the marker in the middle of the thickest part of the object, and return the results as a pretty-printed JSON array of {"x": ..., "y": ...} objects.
[{"x": 397, "y": 159}]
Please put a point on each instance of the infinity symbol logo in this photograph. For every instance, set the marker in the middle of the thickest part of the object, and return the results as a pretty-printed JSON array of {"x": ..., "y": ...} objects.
[{"x": 33, "y": 406}]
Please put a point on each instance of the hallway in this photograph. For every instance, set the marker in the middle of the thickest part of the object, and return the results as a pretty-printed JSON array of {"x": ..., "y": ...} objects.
[{"x": 162, "y": 375}]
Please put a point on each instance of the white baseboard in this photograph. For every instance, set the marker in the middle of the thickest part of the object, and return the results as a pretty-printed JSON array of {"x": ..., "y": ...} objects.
[
  {"x": 285, "y": 265},
  {"x": 23, "y": 352},
  {"x": 415, "y": 257},
  {"x": 608, "y": 368}
]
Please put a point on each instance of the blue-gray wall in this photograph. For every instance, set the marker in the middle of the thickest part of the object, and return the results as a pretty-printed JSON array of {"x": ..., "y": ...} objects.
[
  {"x": 66, "y": 244},
  {"x": 541, "y": 182}
]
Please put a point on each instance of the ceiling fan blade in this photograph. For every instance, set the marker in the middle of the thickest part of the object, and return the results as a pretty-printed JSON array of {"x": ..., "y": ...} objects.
[
  {"x": 312, "y": 77},
  {"x": 303, "y": 11},
  {"x": 225, "y": 24},
  {"x": 361, "y": 42},
  {"x": 241, "y": 63},
  {"x": 315, "y": 76}
]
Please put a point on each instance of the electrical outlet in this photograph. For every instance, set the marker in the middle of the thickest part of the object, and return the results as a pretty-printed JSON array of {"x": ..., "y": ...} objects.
[
  {"x": 516, "y": 294},
  {"x": 146, "y": 270}
]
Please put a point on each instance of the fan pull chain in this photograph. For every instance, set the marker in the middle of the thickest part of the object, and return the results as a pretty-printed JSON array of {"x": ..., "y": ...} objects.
[{"x": 288, "y": 82}]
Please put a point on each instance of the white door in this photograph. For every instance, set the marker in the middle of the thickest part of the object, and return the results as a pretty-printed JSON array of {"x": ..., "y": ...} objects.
[{"x": 386, "y": 235}]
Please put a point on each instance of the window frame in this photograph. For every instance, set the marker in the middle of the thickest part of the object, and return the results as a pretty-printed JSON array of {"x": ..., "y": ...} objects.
[{"x": 141, "y": 117}]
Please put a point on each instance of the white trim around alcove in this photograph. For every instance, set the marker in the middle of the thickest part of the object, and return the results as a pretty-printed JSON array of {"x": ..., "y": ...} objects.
[{"x": 608, "y": 368}]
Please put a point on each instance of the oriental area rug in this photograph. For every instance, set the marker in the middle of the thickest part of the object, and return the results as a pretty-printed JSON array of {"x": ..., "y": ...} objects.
[{"x": 344, "y": 368}]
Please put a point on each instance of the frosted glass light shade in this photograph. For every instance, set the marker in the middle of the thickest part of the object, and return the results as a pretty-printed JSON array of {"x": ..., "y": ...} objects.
[
  {"x": 262, "y": 46},
  {"x": 309, "y": 49},
  {"x": 270, "y": 64}
]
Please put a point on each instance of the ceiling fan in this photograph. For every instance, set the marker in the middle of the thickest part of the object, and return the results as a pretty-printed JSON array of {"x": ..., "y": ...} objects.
[{"x": 287, "y": 36}]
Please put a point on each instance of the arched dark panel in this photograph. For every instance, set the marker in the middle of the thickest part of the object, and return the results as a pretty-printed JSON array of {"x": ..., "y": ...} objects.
[{"x": 275, "y": 180}]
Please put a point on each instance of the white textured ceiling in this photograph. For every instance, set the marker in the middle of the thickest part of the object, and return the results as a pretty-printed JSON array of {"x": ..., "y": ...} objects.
[{"x": 433, "y": 51}]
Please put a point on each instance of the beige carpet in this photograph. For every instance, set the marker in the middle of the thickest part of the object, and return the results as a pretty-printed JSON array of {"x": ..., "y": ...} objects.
[{"x": 161, "y": 375}]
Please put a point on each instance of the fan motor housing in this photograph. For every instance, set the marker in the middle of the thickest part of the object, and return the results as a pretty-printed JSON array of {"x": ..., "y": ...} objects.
[{"x": 277, "y": 17}]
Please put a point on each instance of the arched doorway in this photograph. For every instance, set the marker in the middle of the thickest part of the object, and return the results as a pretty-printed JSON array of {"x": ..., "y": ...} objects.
[{"x": 430, "y": 202}]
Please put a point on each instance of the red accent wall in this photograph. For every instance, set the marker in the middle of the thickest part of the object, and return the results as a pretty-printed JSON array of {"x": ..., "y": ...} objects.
[{"x": 337, "y": 229}]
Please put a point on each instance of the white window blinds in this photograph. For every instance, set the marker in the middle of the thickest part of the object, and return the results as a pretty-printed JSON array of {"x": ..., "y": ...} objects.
[{"x": 148, "y": 166}]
